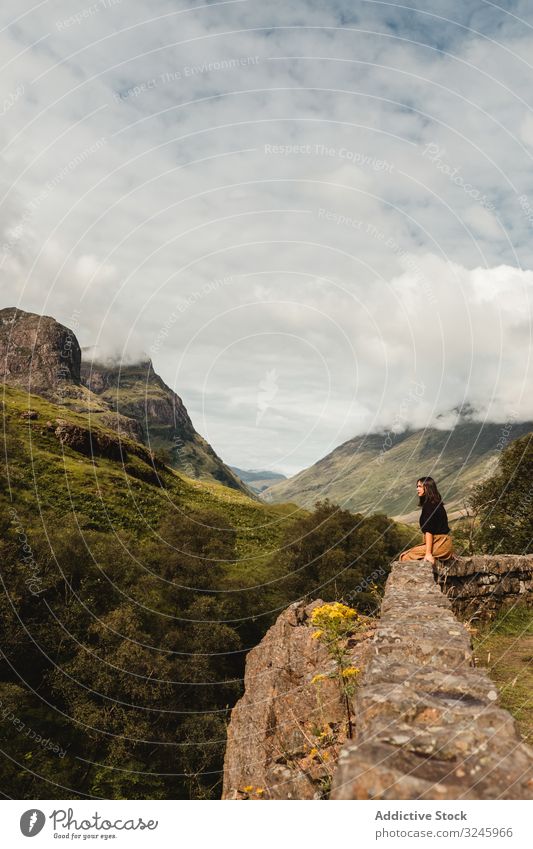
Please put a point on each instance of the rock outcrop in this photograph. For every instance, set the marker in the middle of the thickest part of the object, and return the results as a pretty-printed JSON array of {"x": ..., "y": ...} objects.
[
  {"x": 97, "y": 442},
  {"x": 43, "y": 357},
  {"x": 285, "y": 733},
  {"x": 37, "y": 353},
  {"x": 138, "y": 392}
]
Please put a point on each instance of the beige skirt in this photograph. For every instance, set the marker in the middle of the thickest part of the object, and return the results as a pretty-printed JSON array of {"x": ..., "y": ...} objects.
[{"x": 442, "y": 549}]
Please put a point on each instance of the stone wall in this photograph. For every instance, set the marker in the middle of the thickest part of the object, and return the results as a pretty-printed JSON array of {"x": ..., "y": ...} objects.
[
  {"x": 479, "y": 586},
  {"x": 428, "y": 722}
]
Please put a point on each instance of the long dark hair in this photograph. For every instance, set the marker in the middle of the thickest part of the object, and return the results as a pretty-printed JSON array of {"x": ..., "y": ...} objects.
[{"x": 431, "y": 492}]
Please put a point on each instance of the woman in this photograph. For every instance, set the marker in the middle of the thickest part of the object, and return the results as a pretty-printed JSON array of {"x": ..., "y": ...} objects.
[{"x": 433, "y": 523}]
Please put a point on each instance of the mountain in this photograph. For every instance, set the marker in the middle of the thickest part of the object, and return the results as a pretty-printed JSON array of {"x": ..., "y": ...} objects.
[
  {"x": 369, "y": 474},
  {"x": 137, "y": 392},
  {"x": 258, "y": 480},
  {"x": 61, "y": 460},
  {"x": 41, "y": 356}
]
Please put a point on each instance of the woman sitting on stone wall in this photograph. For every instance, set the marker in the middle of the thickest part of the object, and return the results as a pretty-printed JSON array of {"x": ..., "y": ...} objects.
[{"x": 433, "y": 523}]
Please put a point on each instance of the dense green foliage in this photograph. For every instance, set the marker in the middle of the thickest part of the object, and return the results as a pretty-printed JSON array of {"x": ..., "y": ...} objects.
[
  {"x": 504, "y": 502},
  {"x": 127, "y": 609},
  {"x": 337, "y": 555},
  {"x": 127, "y": 654},
  {"x": 120, "y": 663}
]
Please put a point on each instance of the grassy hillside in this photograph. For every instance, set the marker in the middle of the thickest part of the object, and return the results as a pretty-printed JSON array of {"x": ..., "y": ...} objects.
[
  {"x": 128, "y": 604},
  {"x": 105, "y": 494},
  {"x": 130, "y": 597},
  {"x": 371, "y": 474}
]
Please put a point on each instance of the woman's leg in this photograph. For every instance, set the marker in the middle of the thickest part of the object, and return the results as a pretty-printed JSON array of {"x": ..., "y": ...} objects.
[
  {"x": 418, "y": 552},
  {"x": 443, "y": 547}
]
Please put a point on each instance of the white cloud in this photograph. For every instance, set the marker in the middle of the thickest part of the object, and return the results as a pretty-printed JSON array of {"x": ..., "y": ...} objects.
[{"x": 140, "y": 167}]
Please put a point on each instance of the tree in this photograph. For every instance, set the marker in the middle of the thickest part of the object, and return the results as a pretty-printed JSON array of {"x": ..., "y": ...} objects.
[
  {"x": 505, "y": 502},
  {"x": 332, "y": 553}
]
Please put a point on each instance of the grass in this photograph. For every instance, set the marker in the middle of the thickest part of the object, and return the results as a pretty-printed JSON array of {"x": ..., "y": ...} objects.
[
  {"x": 505, "y": 648},
  {"x": 105, "y": 494}
]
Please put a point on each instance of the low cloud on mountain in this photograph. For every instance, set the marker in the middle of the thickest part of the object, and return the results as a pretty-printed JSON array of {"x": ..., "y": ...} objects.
[{"x": 316, "y": 219}]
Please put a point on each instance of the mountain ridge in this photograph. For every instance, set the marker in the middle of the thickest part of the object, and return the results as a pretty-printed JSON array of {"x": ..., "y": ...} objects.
[
  {"x": 42, "y": 356},
  {"x": 368, "y": 473},
  {"x": 258, "y": 479}
]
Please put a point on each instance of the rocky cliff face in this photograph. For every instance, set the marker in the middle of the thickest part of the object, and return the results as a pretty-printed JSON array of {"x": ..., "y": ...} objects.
[
  {"x": 43, "y": 357},
  {"x": 427, "y": 721},
  {"x": 286, "y": 732},
  {"x": 37, "y": 353},
  {"x": 138, "y": 392}
]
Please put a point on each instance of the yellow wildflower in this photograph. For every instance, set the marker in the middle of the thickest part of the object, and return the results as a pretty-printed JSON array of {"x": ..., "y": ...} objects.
[
  {"x": 259, "y": 791},
  {"x": 247, "y": 789},
  {"x": 313, "y": 752},
  {"x": 335, "y": 611},
  {"x": 316, "y": 678},
  {"x": 316, "y": 635},
  {"x": 350, "y": 672}
]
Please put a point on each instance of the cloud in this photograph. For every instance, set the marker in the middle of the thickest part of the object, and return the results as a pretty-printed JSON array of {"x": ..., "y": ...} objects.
[{"x": 352, "y": 174}]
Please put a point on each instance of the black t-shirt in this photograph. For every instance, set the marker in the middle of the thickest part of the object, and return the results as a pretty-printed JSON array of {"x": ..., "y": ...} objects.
[{"x": 433, "y": 518}]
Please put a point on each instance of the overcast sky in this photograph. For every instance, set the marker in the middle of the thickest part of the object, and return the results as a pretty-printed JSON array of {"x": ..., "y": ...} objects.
[{"x": 315, "y": 217}]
